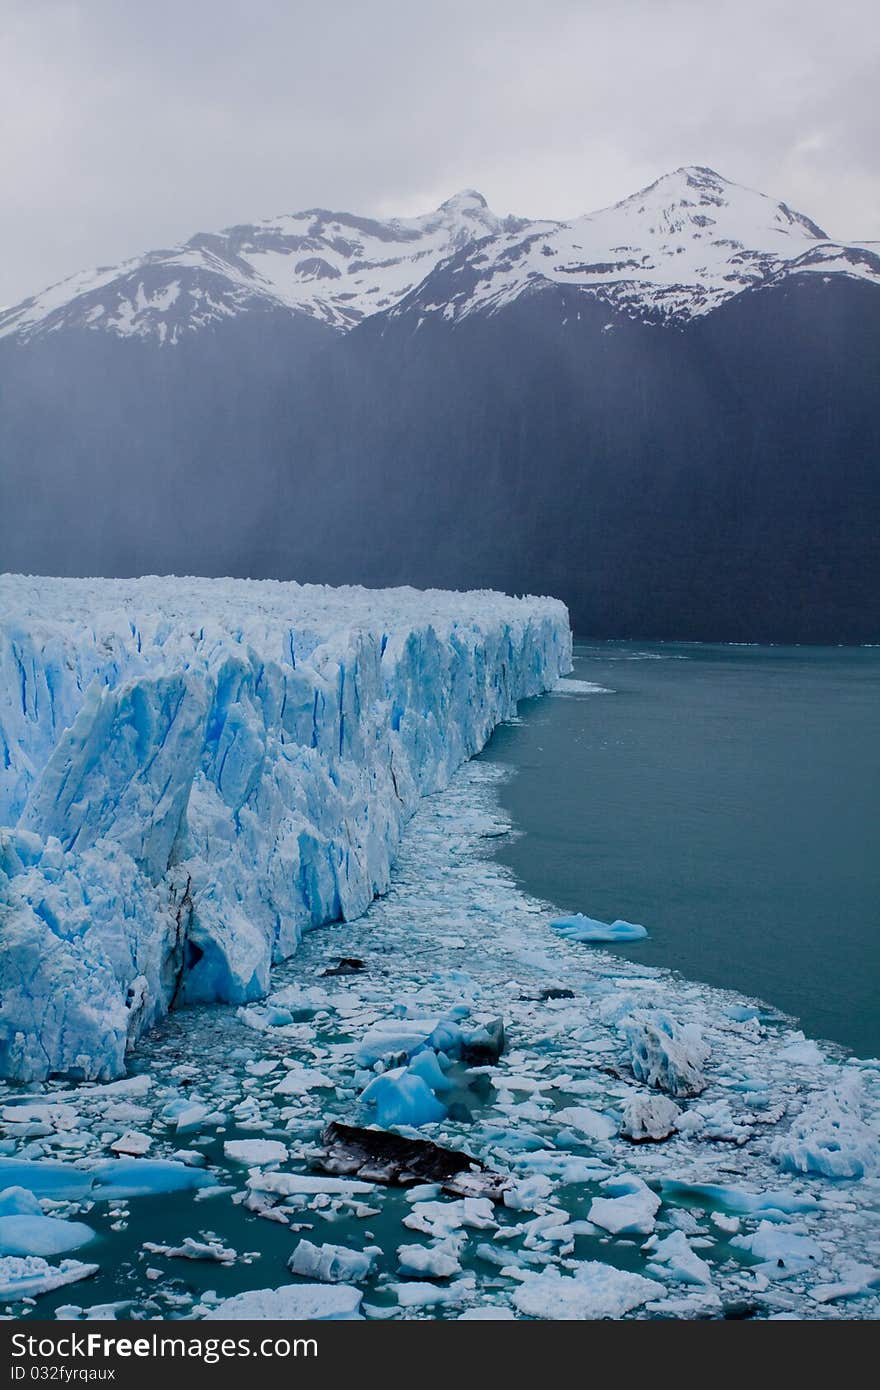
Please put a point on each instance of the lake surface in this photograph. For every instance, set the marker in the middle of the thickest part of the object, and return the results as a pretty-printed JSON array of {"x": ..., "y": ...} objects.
[{"x": 728, "y": 798}]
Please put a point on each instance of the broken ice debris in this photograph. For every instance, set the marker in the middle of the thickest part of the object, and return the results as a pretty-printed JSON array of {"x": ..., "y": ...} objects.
[
  {"x": 310, "y": 1302},
  {"x": 630, "y": 1208},
  {"x": 255, "y": 1152},
  {"x": 649, "y": 1119},
  {"x": 331, "y": 1264},
  {"x": 830, "y": 1137},
  {"x": 595, "y": 1290},
  {"x": 665, "y": 1055},
  {"x": 29, "y": 1276}
]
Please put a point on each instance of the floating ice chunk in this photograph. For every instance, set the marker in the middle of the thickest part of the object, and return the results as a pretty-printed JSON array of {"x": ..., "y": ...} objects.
[
  {"x": 331, "y": 1264},
  {"x": 830, "y": 1137},
  {"x": 421, "y": 1295},
  {"x": 191, "y": 1249},
  {"x": 586, "y": 1121},
  {"x": 19, "y": 1201},
  {"x": 143, "y": 1177},
  {"x": 56, "y": 1114},
  {"x": 29, "y": 1276},
  {"x": 595, "y": 1291},
  {"x": 567, "y": 685},
  {"x": 681, "y": 1262},
  {"x": 395, "y": 1038},
  {"x": 649, "y": 1119},
  {"x": 255, "y": 1152},
  {"x": 737, "y": 1199},
  {"x": 857, "y": 1279},
  {"x": 133, "y": 1143},
  {"x": 191, "y": 1116},
  {"x": 528, "y": 1194},
  {"x": 581, "y": 928},
  {"x": 306, "y": 1184},
  {"x": 440, "y": 1219},
  {"x": 665, "y": 1055},
  {"x": 263, "y": 1067},
  {"x": 630, "y": 1209},
  {"x": 728, "y": 1224},
  {"x": 488, "y": 1312},
  {"x": 773, "y": 1242},
  {"x": 96, "y": 1312},
  {"x": 400, "y": 1098},
  {"x": 426, "y": 1065},
  {"x": 803, "y": 1052},
  {"x": 41, "y": 1235},
  {"x": 309, "y": 1302},
  {"x": 435, "y": 1262},
  {"x": 298, "y": 1081},
  {"x": 46, "y": 1178}
]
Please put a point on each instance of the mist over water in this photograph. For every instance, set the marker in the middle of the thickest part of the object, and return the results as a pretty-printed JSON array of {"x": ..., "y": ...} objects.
[{"x": 725, "y": 797}]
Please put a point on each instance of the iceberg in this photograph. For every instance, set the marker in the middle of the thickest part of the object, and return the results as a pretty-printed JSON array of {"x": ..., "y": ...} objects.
[
  {"x": 830, "y": 1137},
  {"x": 42, "y": 1235},
  {"x": 30, "y": 1275},
  {"x": 595, "y": 1291},
  {"x": 309, "y": 1302},
  {"x": 401, "y": 1098},
  {"x": 195, "y": 772},
  {"x": 581, "y": 928},
  {"x": 629, "y": 1209},
  {"x": 330, "y": 1264},
  {"x": 665, "y": 1055}
]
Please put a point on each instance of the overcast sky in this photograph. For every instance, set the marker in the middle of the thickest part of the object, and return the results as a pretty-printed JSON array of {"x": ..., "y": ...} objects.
[{"x": 130, "y": 124}]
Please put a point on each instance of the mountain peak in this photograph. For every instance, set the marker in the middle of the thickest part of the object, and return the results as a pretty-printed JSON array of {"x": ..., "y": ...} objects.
[
  {"x": 672, "y": 251},
  {"x": 467, "y": 200}
]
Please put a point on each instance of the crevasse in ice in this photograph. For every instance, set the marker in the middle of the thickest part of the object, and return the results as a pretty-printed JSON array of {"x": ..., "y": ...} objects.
[{"x": 193, "y": 772}]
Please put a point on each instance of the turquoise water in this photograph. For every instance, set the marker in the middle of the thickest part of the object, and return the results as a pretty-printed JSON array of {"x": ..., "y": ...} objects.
[{"x": 728, "y": 798}]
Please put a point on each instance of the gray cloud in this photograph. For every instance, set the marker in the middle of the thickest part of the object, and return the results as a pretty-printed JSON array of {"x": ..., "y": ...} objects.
[{"x": 129, "y": 126}]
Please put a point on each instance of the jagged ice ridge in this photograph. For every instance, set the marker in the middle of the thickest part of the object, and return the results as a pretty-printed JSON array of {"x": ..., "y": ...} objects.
[{"x": 194, "y": 772}]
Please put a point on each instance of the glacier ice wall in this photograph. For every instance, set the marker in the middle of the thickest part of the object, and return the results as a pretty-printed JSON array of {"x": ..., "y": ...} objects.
[{"x": 193, "y": 772}]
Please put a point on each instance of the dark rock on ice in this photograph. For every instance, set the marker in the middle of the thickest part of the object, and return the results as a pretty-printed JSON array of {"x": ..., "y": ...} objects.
[
  {"x": 346, "y": 965},
  {"x": 378, "y": 1155}
]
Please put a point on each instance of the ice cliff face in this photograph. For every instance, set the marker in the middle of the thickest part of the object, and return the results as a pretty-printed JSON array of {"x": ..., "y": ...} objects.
[{"x": 194, "y": 772}]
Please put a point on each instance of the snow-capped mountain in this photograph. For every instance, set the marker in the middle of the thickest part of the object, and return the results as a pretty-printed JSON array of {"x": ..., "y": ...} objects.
[
  {"x": 672, "y": 251},
  {"x": 664, "y": 413},
  {"x": 333, "y": 267}
]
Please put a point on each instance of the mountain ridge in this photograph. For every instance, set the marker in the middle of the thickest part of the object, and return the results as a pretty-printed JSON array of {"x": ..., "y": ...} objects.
[{"x": 671, "y": 251}]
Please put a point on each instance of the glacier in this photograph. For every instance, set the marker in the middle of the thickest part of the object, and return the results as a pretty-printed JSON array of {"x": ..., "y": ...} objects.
[
  {"x": 245, "y": 1204},
  {"x": 193, "y": 773}
]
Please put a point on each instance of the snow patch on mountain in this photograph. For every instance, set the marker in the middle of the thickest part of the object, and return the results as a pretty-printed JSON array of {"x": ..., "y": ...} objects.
[
  {"x": 673, "y": 251},
  {"x": 194, "y": 772},
  {"x": 333, "y": 267}
]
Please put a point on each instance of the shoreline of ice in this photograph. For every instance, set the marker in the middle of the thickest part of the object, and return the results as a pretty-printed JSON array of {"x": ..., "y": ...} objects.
[
  {"x": 734, "y": 1213},
  {"x": 194, "y": 772}
]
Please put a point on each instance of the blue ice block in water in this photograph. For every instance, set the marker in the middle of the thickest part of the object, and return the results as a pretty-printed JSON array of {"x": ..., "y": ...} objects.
[
  {"x": 401, "y": 1098},
  {"x": 581, "y": 928}
]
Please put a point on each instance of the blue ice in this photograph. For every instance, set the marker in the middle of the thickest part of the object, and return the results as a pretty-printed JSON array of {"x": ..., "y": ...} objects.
[{"x": 581, "y": 928}]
